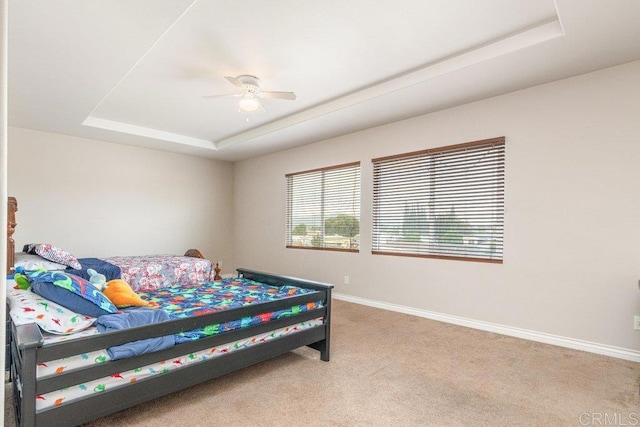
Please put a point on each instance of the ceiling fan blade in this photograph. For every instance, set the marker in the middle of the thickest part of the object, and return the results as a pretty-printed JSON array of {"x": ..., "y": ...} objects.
[
  {"x": 234, "y": 81},
  {"x": 277, "y": 95},
  {"x": 261, "y": 106},
  {"x": 233, "y": 95}
]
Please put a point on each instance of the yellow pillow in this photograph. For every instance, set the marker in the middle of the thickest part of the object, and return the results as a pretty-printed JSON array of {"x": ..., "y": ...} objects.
[{"x": 122, "y": 296}]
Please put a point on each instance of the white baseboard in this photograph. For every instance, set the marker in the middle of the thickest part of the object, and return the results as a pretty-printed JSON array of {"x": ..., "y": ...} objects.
[{"x": 591, "y": 347}]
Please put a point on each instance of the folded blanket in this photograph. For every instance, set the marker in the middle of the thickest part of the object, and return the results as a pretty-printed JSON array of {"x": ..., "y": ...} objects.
[
  {"x": 109, "y": 270},
  {"x": 130, "y": 318}
]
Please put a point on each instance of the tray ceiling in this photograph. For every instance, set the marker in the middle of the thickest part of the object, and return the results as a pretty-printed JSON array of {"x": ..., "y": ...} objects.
[{"x": 135, "y": 72}]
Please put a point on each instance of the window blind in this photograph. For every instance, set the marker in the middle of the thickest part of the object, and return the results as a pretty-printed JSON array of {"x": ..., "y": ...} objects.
[
  {"x": 323, "y": 208},
  {"x": 445, "y": 202}
]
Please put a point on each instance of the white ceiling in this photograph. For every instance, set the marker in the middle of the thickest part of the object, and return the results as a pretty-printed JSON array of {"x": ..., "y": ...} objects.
[{"x": 135, "y": 72}]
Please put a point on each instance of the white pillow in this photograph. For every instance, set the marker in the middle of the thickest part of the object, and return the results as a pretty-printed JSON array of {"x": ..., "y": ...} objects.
[
  {"x": 27, "y": 307},
  {"x": 34, "y": 262}
]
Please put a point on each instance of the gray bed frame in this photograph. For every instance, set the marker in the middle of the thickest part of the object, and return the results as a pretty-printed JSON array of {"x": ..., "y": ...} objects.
[{"x": 27, "y": 351}]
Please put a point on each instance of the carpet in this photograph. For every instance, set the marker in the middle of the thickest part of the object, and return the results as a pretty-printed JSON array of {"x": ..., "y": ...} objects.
[{"x": 389, "y": 368}]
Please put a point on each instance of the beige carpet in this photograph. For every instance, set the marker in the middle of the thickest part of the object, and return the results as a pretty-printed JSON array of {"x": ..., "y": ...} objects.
[{"x": 388, "y": 368}]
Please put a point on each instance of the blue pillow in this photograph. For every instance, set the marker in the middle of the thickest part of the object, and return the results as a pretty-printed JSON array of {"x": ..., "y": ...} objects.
[{"x": 72, "y": 292}]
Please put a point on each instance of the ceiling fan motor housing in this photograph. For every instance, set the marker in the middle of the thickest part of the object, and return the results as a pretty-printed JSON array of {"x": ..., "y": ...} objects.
[{"x": 252, "y": 83}]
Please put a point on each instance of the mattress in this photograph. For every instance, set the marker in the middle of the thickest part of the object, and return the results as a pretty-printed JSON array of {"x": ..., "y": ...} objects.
[{"x": 204, "y": 298}]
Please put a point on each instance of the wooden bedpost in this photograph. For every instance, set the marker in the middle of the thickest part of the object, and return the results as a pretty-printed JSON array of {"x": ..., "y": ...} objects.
[
  {"x": 12, "y": 207},
  {"x": 217, "y": 271}
]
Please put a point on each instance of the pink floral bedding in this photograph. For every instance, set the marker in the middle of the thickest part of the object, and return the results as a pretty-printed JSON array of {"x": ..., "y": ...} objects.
[{"x": 159, "y": 271}]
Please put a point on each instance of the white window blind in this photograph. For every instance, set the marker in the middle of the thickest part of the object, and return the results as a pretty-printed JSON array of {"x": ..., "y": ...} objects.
[
  {"x": 445, "y": 202},
  {"x": 323, "y": 208}
]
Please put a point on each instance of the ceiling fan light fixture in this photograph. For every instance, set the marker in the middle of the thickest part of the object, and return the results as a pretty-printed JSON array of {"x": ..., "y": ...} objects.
[
  {"x": 250, "y": 93},
  {"x": 248, "y": 104}
]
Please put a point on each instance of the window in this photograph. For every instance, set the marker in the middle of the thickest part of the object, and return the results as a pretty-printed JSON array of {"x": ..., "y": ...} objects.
[
  {"x": 441, "y": 203},
  {"x": 323, "y": 208}
]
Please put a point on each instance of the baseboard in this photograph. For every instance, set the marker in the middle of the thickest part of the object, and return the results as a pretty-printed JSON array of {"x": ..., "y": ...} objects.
[{"x": 607, "y": 350}]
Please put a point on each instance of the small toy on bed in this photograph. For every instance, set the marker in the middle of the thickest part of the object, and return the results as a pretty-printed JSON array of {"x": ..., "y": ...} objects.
[
  {"x": 96, "y": 279},
  {"x": 23, "y": 277},
  {"x": 122, "y": 296}
]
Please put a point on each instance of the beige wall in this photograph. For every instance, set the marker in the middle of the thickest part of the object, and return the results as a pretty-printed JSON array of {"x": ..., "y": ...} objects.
[
  {"x": 95, "y": 198},
  {"x": 572, "y": 258},
  {"x": 572, "y": 239}
]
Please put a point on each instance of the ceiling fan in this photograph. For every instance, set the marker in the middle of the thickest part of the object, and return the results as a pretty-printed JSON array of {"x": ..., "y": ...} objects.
[{"x": 250, "y": 93}]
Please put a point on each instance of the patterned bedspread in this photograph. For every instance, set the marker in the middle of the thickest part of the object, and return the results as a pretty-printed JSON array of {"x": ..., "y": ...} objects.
[
  {"x": 211, "y": 297},
  {"x": 159, "y": 271},
  {"x": 179, "y": 302}
]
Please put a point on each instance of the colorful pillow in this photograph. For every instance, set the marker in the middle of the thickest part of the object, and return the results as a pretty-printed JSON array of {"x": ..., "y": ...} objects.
[
  {"x": 72, "y": 292},
  {"x": 53, "y": 253},
  {"x": 27, "y": 307},
  {"x": 35, "y": 262}
]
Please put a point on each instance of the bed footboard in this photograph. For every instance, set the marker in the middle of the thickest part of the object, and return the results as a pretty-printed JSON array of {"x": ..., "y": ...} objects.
[
  {"x": 323, "y": 346},
  {"x": 194, "y": 253}
]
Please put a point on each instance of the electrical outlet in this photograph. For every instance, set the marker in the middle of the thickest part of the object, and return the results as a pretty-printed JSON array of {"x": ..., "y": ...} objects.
[
  {"x": 346, "y": 280},
  {"x": 636, "y": 322}
]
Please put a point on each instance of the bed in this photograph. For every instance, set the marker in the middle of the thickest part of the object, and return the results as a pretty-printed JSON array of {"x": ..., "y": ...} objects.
[
  {"x": 273, "y": 314},
  {"x": 140, "y": 271},
  {"x": 146, "y": 271}
]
